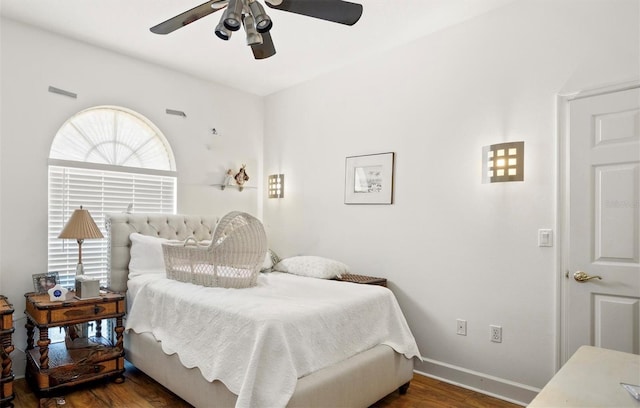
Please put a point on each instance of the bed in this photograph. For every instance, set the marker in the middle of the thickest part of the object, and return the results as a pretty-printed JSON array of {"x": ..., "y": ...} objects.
[{"x": 357, "y": 380}]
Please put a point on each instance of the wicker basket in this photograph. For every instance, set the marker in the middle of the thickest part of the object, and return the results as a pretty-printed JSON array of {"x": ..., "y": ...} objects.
[{"x": 232, "y": 260}]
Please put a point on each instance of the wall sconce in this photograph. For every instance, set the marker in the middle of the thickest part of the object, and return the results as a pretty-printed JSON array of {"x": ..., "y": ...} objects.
[
  {"x": 276, "y": 186},
  {"x": 503, "y": 162}
]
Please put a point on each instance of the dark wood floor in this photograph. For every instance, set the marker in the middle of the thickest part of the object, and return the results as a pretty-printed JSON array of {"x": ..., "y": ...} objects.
[
  {"x": 140, "y": 391},
  {"x": 426, "y": 392}
]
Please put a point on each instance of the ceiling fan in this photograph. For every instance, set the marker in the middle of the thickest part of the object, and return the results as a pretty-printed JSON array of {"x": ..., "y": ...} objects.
[{"x": 257, "y": 23}]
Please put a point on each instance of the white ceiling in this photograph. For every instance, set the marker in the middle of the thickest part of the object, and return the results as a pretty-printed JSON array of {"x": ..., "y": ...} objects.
[{"x": 306, "y": 47}]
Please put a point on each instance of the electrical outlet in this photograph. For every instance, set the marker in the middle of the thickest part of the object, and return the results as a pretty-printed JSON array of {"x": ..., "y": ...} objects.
[
  {"x": 496, "y": 333},
  {"x": 461, "y": 327}
]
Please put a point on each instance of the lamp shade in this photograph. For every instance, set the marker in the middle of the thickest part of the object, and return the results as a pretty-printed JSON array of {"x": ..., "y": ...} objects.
[{"x": 81, "y": 226}]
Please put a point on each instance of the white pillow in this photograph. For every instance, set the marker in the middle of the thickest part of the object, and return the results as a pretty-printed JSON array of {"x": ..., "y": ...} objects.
[
  {"x": 312, "y": 266},
  {"x": 270, "y": 259},
  {"x": 146, "y": 255}
]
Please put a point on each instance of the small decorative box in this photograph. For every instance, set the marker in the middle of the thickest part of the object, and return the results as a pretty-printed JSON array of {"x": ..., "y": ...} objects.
[
  {"x": 87, "y": 287},
  {"x": 57, "y": 293}
]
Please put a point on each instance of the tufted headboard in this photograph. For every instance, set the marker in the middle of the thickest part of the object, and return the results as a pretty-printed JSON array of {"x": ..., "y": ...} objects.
[{"x": 170, "y": 226}]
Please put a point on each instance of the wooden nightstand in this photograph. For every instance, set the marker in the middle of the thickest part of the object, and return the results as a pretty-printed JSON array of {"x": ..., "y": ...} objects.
[
  {"x": 6, "y": 347},
  {"x": 368, "y": 280},
  {"x": 53, "y": 366}
]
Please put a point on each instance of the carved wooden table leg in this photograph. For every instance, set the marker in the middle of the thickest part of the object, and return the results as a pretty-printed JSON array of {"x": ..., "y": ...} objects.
[
  {"x": 7, "y": 348},
  {"x": 7, "y": 375},
  {"x": 119, "y": 329},
  {"x": 43, "y": 343},
  {"x": 98, "y": 328},
  {"x": 29, "y": 327}
]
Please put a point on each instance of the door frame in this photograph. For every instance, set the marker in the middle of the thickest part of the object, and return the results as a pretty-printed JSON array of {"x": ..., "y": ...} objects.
[{"x": 562, "y": 219}]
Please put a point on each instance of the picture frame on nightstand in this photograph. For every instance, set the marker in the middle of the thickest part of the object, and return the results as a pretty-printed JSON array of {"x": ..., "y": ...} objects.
[{"x": 42, "y": 282}]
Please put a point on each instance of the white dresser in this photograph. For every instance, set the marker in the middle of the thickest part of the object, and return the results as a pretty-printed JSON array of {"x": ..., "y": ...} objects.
[{"x": 591, "y": 378}]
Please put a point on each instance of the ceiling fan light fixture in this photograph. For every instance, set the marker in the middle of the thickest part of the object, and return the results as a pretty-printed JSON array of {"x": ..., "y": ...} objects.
[
  {"x": 263, "y": 21},
  {"x": 223, "y": 32},
  {"x": 253, "y": 37},
  {"x": 259, "y": 24},
  {"x": 232, "y": 16},
  {"x": 264, "y": 26}
]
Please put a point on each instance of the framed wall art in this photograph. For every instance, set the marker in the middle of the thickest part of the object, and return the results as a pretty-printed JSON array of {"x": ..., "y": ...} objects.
[{"x": 369, "y": 179}]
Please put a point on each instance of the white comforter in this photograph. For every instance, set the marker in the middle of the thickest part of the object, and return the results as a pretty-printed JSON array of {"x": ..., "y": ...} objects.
[{"x": 258, "y": 341}]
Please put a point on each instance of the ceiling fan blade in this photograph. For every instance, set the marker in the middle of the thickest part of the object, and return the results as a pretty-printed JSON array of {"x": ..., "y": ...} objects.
[
  {"x": 187, "y": 17},
  {"x": 264, "y": 50},
  {"x": 338, "y": 11}
]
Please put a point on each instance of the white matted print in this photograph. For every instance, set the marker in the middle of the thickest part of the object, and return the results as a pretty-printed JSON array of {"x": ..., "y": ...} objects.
[{"x": 369, "y": 179}]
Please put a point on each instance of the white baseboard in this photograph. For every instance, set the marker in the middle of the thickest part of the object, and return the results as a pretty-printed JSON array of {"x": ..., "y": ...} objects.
[{"x": 506, "y": 390}]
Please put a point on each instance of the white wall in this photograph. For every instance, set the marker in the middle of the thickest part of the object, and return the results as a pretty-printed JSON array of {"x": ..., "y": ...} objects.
[
  {"x": 32, "y": 60},
  {"x": 450, "y": 246}
]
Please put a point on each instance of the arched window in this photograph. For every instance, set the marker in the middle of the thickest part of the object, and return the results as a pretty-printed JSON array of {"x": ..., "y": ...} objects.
[{"x": 105, "y": 159}]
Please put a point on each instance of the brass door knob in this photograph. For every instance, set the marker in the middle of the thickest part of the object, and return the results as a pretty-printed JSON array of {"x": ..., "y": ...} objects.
[{"x": 583, "y": 277}]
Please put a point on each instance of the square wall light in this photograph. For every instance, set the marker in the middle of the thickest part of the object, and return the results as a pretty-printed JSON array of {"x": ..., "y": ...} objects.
[
  {"x": 503, "y": 162},
  {"x": 276, "y": 186}
]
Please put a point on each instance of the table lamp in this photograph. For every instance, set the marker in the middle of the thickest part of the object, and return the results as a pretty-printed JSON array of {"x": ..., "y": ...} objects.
[{"x": 80, "y": 227}]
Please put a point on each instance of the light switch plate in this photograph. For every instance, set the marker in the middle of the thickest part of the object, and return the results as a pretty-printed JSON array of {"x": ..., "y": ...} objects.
[{"x": 545, "y": 238}]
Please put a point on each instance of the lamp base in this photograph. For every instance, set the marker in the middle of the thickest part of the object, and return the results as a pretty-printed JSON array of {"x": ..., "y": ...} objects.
[{"x": 79, "y": 269}]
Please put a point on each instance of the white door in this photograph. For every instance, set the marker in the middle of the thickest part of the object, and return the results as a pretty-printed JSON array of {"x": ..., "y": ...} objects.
[{"x": 603, "y": 187}]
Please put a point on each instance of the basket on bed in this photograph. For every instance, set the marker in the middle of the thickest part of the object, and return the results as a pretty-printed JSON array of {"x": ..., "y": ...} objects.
[{"x": 232, "y": 259}]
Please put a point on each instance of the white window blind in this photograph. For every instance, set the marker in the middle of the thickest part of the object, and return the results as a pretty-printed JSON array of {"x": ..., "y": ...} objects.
[
  {"x": 104, "y": 159},
  {"x": 100, "y": 192}
]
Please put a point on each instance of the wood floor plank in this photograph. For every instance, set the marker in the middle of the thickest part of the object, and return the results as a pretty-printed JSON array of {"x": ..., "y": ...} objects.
[
  {"x": 426, "y": 392},
  {"x": 140, "y": 391}
]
